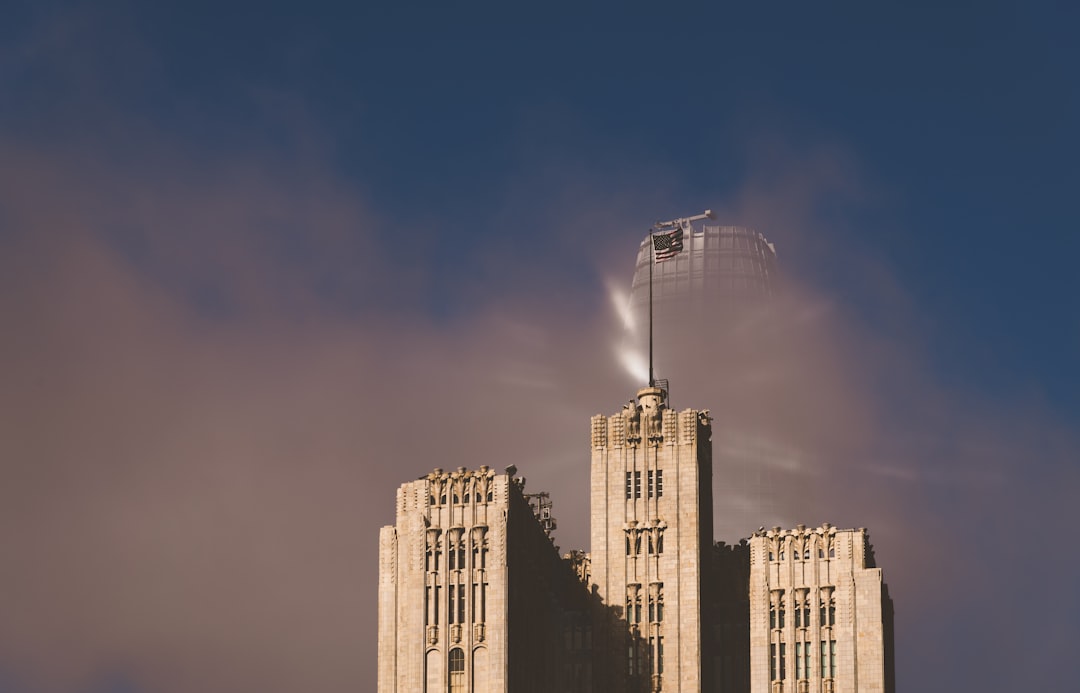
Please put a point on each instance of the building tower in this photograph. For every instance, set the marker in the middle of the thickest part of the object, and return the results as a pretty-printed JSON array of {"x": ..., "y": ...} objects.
[
  {"x": 651, "y": 534},
  {"x": 820, "y": 613},
  {"x": 473, "y": 596}
]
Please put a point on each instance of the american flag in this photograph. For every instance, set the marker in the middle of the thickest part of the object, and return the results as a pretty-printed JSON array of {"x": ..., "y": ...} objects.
[{"x": 667, "y": 244}]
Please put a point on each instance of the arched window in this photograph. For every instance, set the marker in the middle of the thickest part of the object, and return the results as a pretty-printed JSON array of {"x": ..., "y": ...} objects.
[{"x": 457, "y": 670}]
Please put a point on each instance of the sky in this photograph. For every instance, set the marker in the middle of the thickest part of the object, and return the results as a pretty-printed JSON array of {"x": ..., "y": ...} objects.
[{"x": 261, "y": 263}]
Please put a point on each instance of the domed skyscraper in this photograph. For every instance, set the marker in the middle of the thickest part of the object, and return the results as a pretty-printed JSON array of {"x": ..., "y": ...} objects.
[
  {"x": 713, "y": 323},
  {"x": 719, "y": 266}
]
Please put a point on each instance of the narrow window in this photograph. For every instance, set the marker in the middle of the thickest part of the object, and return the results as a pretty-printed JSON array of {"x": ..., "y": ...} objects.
[
  {"x": 798, "y": 660},
  {"x": 783, "y": 662},
  {"x": 659, "y": 483},
  {"x": 461, "y": 603},
  {"x": 435, "y": 616},
  {"x": 781, "y": 619},
  {"x": 660, "y": 655},
  {"x": 832, "y": 659},
  {"x": 629, "y": 485},
  {"x": 457, "y": 670},
  {"x": 637, "y": 484},
  {"x": 483, "y": 601},
  {"x": 772, "y": 662},
  {"x": 452, "y": 598},
  {"x": 824, "y": 661},
  {"x": 453, "y": 557},
  {"x": 806, "y": 660},
  {"x": 772, "y": 616},
  {"x": 650, "y": 481},
  {"x": 660, "y": 541}
]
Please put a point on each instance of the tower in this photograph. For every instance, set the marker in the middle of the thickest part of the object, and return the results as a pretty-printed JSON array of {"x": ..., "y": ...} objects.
[
  {"x": 651, "y": 534},
  {"x": 473, "y": 596},
  {"x": 719, "y": 265},
  {"x": 820, "y": 613}
]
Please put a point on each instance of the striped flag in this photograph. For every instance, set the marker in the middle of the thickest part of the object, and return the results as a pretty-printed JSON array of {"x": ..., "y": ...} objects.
[{"x": 667, "y": 244}]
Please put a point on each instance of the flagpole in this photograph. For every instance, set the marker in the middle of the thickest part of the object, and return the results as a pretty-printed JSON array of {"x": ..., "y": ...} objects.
[{"x": 652, "y": 261}]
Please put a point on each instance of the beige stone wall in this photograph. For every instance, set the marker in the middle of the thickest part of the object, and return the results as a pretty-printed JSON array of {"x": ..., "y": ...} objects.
[
  {"x": 651, "y": 521},
  {"x": 464, "y": 513},
  {"x": 824, "y": 573}
]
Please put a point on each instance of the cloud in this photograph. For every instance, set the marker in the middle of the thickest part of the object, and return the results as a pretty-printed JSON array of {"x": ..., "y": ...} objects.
[{"x": 219, "y": 367}]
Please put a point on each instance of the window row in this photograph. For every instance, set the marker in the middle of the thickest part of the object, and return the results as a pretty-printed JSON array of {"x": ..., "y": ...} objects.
[
  {"x": 456, "y": 604},
  {"x": 654, "y": 541},
  {"x": 797, "y": 555},
  {"x": 455, "y": 555},
  {"x": 645, "y": 662},
  {"x": 778, "y": 660},
  {"x": 654, "y": 488},
  {"x": 655, "y": 613},
  {"x": 827, "y": 614}
]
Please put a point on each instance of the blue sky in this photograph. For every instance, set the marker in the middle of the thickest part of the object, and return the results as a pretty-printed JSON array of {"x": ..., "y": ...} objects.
[{"x": 258, "y": 209}]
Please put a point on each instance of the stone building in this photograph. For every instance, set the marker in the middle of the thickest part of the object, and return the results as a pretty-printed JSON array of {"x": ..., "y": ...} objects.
[
  {"x": 820, "y": 614},
  {"x": 651, "y": 534},
  {"x": 473, "y": 595}
]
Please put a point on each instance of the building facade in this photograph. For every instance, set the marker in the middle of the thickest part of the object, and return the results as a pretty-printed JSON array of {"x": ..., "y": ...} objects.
[
  {"x": 820, "y": 613},
  {"x": 651, "y": 534},
  {"x": 473, "y": 596}
]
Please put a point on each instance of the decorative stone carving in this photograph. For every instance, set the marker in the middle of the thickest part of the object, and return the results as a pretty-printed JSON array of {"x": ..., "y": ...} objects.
[
  {"x": 617, "y": 429},
  {"x": 669, "y": 422},
  {"x": 599, "y": 432}
]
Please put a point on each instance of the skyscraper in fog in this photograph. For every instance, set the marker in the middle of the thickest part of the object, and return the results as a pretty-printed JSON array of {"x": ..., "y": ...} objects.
[
  {"x": 473, "y": 596},
  {"x": 718, "y": 266},
  {"x": 724, "y": 278}
]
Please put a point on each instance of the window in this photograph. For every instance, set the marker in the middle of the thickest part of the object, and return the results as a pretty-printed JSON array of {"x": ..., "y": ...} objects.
[
  {"x": 629, "y": 485},
  {"x": 457, "y": 670},
  {"x": 806, "y": 660},
  {"x": 452, "y": 597},
  {"x": 783, "y": 661},
  {"x": 655, "y": 483},
  {"x": 637, "y": 484},
  {"x": 659, "y": 483},
  {"x": 461, "y": 603},
  {"x": 828, "y": 659},
  {"x": 799, "y": 660},
  {"x": 828, "y": 613},
  {"x": 773, "y": 671}
]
